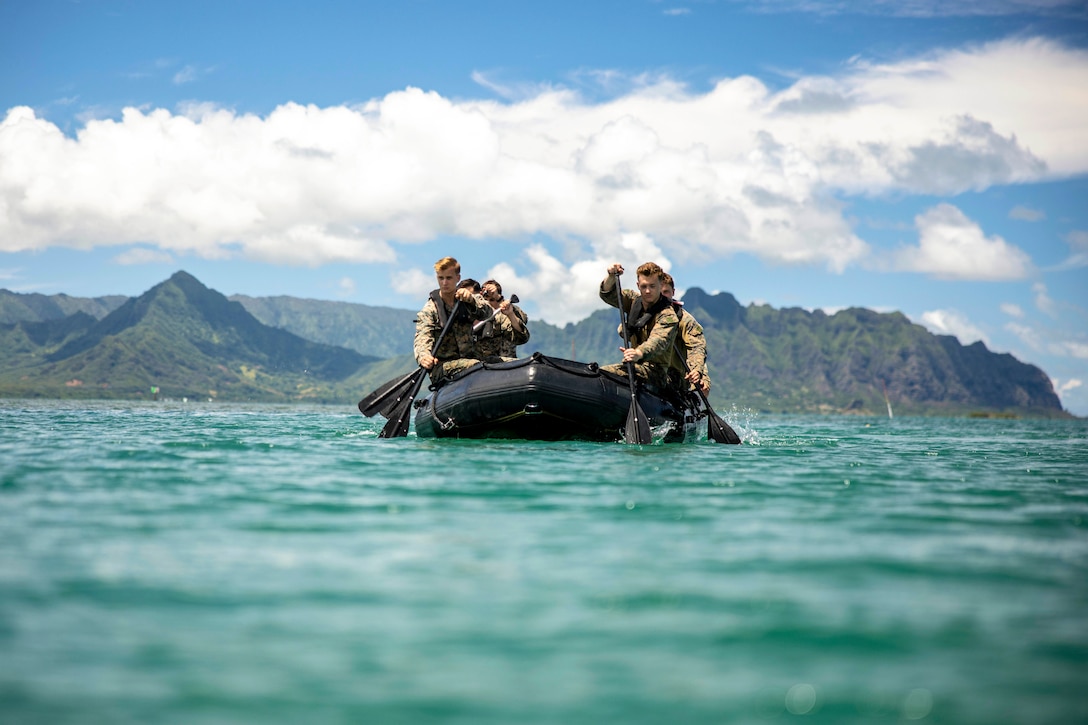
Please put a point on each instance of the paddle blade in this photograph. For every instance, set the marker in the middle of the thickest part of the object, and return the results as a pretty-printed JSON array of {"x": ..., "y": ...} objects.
[
  {"x": 388, "y": 395},
  {"x": 719, "y": 431},
  {"x": 406, "y": 392},
  {"x": 400, "y": 415},
  {"x": 638, "y": 426},
  {"x": 397, "y": 426}
]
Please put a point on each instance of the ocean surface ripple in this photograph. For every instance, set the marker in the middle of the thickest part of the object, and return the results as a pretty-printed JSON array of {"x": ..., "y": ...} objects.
[{"x": 210, "y": 563}]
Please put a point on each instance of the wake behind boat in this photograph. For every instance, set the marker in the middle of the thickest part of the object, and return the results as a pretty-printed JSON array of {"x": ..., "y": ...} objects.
[{"x": 546, "y": 398}]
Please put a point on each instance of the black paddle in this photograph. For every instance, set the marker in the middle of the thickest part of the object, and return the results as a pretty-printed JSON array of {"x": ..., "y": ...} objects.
[
  {"x": 638, "y": 425},
  {"x": 400, "y": 413},
  {"x": 717, "y": 429},
  {"x": 394, "y": 399},
  {"x": 400, "y": 416},
  {"x": 386, "y": 396}
]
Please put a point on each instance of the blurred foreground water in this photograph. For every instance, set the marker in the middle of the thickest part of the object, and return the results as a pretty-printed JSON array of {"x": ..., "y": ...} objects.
[{"x": 209, "y": 563}]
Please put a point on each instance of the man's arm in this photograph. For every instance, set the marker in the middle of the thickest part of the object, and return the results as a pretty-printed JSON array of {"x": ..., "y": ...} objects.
[
  {"x": 608, "y": 289},
  {"x": 658, "y": 346},
  {"x": 519, "y": 328},
  {"x": 427, "y": 329},
  {"x": 695, "y": 342}
]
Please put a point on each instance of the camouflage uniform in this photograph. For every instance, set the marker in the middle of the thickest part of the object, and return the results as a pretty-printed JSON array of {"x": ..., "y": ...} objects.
[
  {"x": 654, "y": 341},
  {"x": 456, "y": 352},
  {"x": 691, "y": 344},
  {"x": 498, "y": 338}
]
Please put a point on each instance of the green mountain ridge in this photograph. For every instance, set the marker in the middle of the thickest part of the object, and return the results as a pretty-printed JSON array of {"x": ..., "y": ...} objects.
[
  {"x": 36, "y": 307},
  {"x": 362, "y": 328},
  {"x": 178, "y": 336},
  {"x": 287, "y": 348}
]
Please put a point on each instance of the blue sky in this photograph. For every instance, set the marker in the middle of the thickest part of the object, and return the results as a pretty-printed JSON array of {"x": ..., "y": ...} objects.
[{"x": 923, "y": 156}]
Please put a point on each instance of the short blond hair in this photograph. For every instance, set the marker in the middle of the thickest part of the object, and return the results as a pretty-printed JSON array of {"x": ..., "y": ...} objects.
[
  {"x": 650, "y": 269},
  {"x": 446, "y": 263}
]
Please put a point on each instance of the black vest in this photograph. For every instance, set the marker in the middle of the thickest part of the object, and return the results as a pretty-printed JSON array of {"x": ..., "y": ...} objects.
[{"x": 638, "y": 318}]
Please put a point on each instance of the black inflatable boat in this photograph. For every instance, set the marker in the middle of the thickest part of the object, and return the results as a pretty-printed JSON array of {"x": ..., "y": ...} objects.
[{"x": 545, "y": 398}]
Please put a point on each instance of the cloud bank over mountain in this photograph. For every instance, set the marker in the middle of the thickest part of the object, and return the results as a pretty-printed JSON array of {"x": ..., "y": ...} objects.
[{"x": 660, "y": 169}]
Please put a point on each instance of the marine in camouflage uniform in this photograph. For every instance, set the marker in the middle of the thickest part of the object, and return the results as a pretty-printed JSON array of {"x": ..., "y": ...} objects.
[
  {"x": 510, "y": 344},
  {"x": 456, "y": 353},
  {"x": 690, "y": 342},
  {"x": 652, "y": 327},
  {"x": 692, "y": 345},
  {"x": 498, "y": 338}
]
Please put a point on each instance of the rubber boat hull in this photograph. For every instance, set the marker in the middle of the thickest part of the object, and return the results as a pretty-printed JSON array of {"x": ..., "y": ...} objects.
[{"x": 544, "y": 398}]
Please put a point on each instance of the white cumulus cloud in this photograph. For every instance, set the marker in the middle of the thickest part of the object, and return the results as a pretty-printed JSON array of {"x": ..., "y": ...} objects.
[
  {"x": 953, "y": 322},
  {"x": 1071, "y": 348},
  {"x": 143, "y": 255},
  {"x": 1012, "y": 310},
  {"x": 571, "y": 290},
  {"x": 1064, "y": 386},
  {"x": 188, "y": 74},
  {"x": 922, "y": 8},
  {"x": 951, "y": 246},
  {"x": 738, "y": 168}
]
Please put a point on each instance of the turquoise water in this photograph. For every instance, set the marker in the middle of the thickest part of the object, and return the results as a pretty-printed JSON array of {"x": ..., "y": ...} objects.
[{"x": 205, "y": 563}]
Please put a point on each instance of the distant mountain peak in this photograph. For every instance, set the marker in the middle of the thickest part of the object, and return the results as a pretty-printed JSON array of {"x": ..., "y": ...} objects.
[
  {"x": 722, "y": 307},
  {"x": 181, "y": 322}
]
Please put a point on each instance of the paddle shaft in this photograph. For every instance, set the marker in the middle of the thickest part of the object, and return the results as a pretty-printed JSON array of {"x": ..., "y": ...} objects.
[
  {"x": 446, "y": 328},
  {"x": 718, "y": 429},
  {"x": 638, "y": 425},
  {"x": 626, "y": 338},
  {"x": 397, "y": 427},
  {"x": 494, "y": 313}
]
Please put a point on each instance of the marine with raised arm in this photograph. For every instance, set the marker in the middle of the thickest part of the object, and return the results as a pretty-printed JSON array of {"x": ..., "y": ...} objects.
[
  {"x": 500, "y": 336},
  {"x": 651, "y": 326}
]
